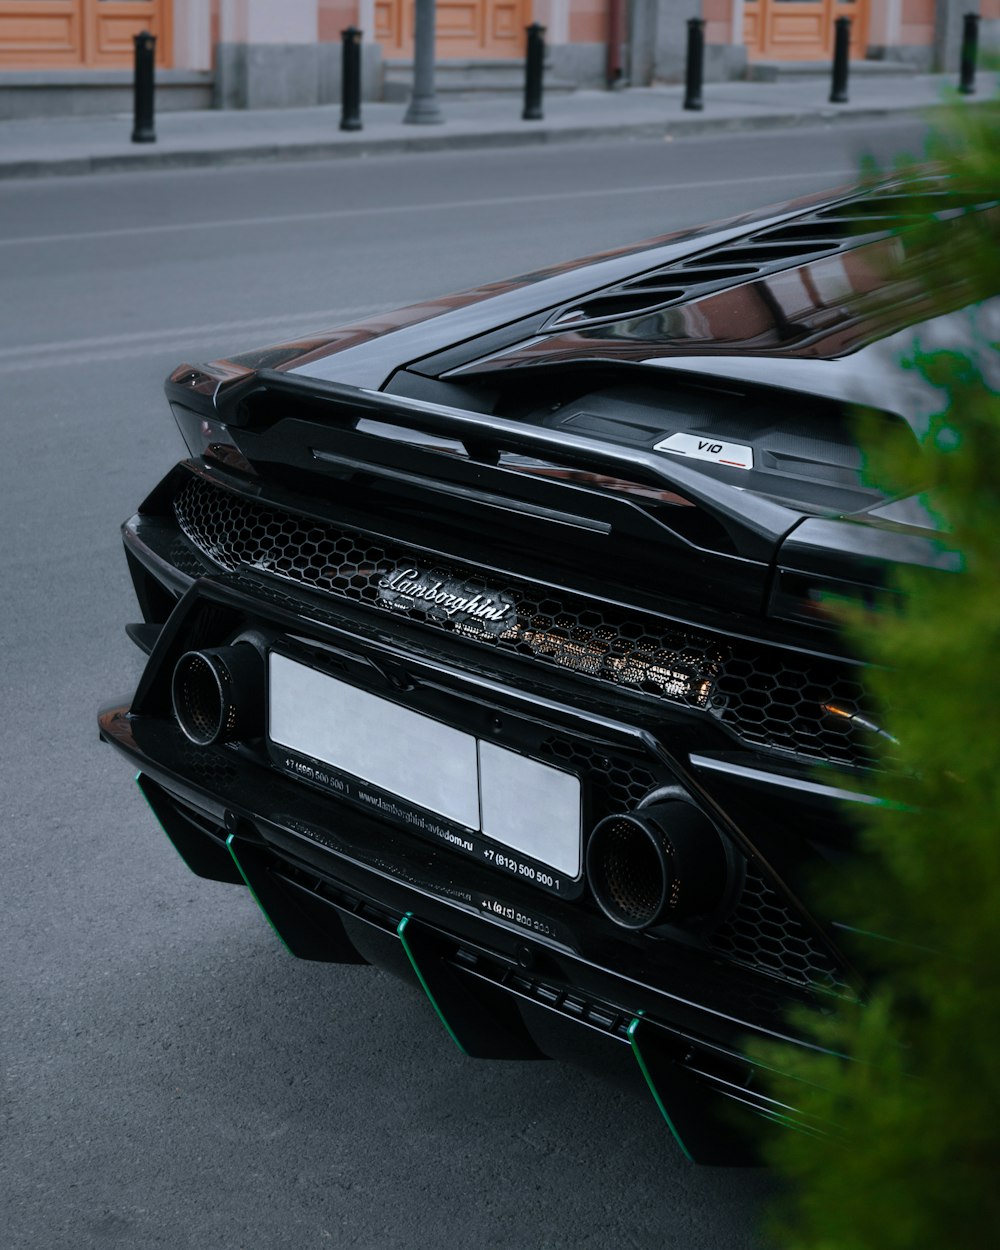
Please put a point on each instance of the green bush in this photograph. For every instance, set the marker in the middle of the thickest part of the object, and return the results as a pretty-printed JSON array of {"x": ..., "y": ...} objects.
[{"x": 912, "y": 1159}]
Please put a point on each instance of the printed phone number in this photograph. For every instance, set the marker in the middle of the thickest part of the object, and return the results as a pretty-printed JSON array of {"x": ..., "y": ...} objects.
[
  {"x": 517, "y": 917},
  {"x": 520, "y": 869}
]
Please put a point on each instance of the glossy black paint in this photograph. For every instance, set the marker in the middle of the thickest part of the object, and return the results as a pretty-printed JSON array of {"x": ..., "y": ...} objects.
[
  {"x": 159, "y": 751},
  {"x": 478, "y": 435}
]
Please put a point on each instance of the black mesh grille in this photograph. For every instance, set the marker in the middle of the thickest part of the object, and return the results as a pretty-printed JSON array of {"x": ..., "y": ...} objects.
[
  {"x": 578, "y": 634},
  {"x": 617, "y": 783},
  {"x": 209, "y": 766},
  {"x": 766, "y": 697},
  {"x": 780, "y": 699},
  {"x": 762, "y": 933}
]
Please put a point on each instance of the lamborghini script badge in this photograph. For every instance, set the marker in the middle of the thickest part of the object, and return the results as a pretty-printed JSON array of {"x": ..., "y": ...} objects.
[{"x": 468, "y": 604}]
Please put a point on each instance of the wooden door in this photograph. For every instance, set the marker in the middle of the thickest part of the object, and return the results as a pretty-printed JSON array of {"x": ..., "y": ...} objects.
[
  {"x": 112, "y": 23},
  {"x": 801, "y": 30},
  {"x": 475, "y": 29},
  {"x": 63, "y": 34}
]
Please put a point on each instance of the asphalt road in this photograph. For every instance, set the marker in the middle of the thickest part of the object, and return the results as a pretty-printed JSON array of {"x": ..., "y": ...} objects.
[{"x": 171, "y": 1076}]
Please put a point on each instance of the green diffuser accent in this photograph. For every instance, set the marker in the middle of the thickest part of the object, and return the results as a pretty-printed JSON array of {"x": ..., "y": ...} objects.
[
  {"x": 401, "y": 934},
  {"x": 633, "y": 1037}
]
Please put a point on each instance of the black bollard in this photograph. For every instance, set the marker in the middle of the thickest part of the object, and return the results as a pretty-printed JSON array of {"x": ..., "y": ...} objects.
[
  {"x": 534, "y": 62},
  {"x": 143, "y": 130},
  {"x": 970, "y": 49},
  {"x": 841, "y": 60},
  {"x": 350, "y": 79},
  {"x": 695, "y": 72}
]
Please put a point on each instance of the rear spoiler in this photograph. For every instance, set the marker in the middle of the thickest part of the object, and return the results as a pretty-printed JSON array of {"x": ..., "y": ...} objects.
[{"x": 755, "y": 525}]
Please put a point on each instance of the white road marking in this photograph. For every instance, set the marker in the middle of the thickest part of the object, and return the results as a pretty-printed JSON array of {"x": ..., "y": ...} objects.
[
  {"x": 145, "y": 342},
  {"x": 383, "y": 210}
]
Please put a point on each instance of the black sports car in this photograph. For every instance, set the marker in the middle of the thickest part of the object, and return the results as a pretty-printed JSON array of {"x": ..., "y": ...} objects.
[{"x": 488, "y": 639}]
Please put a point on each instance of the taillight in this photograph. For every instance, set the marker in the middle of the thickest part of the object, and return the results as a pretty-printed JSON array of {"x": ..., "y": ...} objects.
[{"x": 209, "y": 439}]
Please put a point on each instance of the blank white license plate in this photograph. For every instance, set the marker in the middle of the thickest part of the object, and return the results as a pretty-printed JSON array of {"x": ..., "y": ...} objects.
[{"x": 519, "y": 802}]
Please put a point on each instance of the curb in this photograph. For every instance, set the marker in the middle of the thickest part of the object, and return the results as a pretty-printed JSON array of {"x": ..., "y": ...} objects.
[{"x": 334, "y": 149}]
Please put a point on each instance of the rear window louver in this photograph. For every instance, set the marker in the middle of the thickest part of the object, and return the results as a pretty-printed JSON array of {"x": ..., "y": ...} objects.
[
  {"x": 695, "y": 272},
  {"x": 615, "y": 305},
  {"x": 888, "y": 208},
  {"x": 750, "y": 257}
]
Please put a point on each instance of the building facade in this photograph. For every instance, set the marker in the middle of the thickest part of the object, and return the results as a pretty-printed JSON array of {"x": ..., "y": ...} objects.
[{"x": 274, "y": 52}]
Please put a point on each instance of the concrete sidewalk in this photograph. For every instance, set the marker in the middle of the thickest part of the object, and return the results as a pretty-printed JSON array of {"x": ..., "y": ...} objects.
[{"x": 82, "y": 145}]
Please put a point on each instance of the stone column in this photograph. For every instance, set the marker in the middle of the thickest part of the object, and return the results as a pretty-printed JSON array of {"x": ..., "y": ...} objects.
[
  {"x": 948, "y": 16},
  {"x": 670, "y": 42},
  {"x": 192, "y": 35},
  {"x": 657, "y": 37},
  {"x": 268, "y": 55},
  {"x": 554, "y": 16},
  {"x": 989, "y": 30},
  {"x": 641, "y": 41},
  {"x": 885, "y": 24},
  {"x": 366, "y": 18}
]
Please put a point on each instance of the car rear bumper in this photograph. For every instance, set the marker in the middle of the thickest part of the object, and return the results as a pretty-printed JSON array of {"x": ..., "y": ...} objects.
[
  {"x": 339, "y": 886},
  {"x": 495, "y": 950}
]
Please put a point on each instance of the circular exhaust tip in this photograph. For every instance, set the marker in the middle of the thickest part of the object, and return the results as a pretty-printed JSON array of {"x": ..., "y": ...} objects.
[
  {"x": 218, "y": 694},
  {"x": 627, "y": 872},
  {"x": 657, "y": 865}
]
